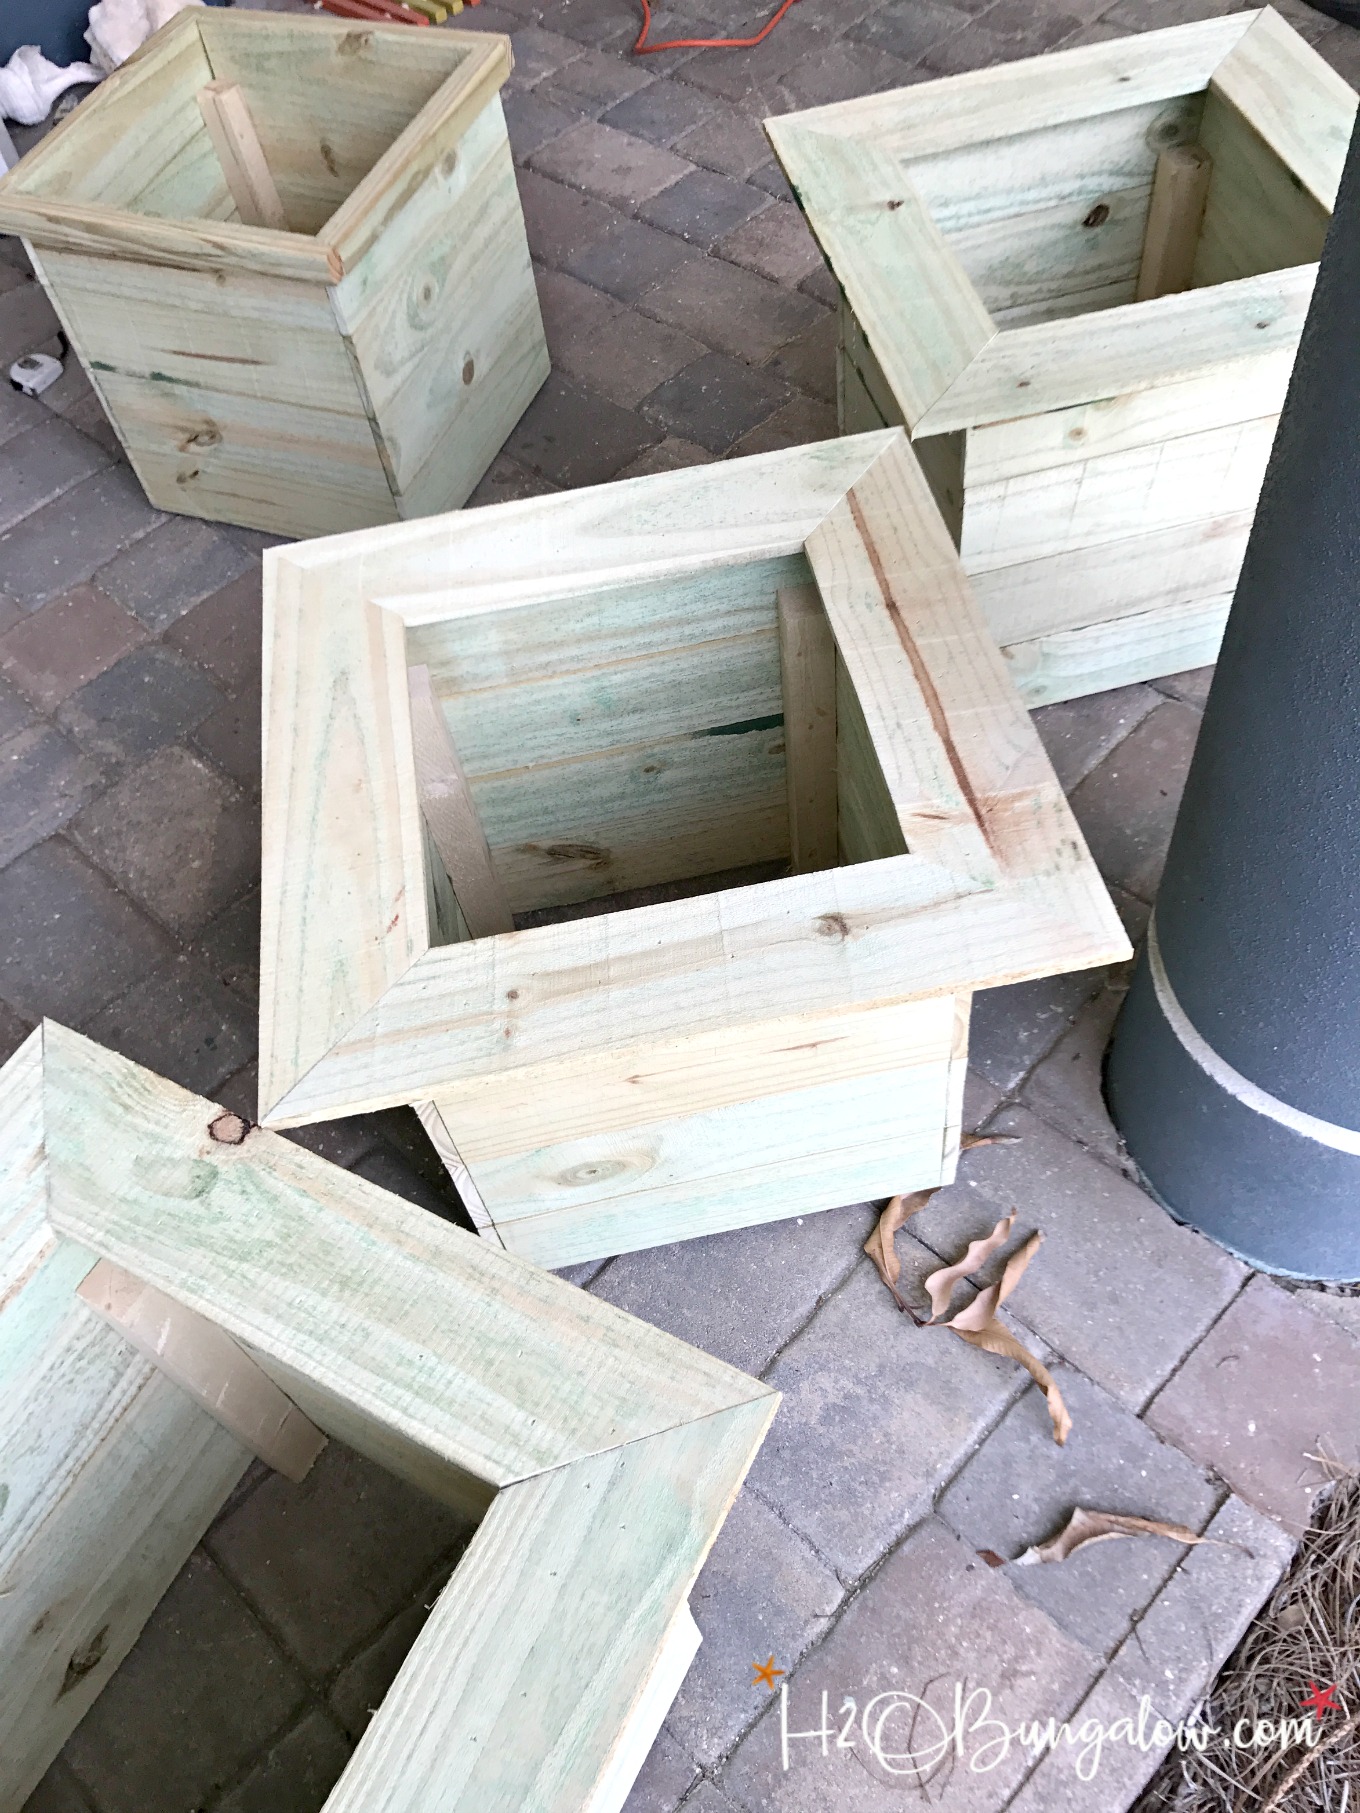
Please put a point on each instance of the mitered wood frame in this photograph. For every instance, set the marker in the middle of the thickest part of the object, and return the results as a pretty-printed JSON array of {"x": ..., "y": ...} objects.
[
  {"x": 991, "y": 404},
  {"x": 701, "y": 1001},
  {"x": 600, "y": 1455}
]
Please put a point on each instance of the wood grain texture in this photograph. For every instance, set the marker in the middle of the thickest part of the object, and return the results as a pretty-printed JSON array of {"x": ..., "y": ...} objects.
[
  {"x": 446, "y": 802},
  {"x": 1258, "y": 216},
  {"x": 1068, "y": 664},
  {"x": 237, "y": 143},
  {"x": 507, "y": 1392},
  {"x": 807, "y": 661}
]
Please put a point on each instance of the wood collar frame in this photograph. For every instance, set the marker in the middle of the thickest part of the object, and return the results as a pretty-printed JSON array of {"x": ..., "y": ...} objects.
[
  {"x": 599, "y": 1454},
  {"x": 1088, "y": 349},
  {"x": 960, "y": 867}
]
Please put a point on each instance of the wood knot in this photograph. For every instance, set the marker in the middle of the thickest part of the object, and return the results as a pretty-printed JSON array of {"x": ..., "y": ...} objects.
[
  {"x": 469, "y": 369},
  {"x": 229, "y": 1129},
  {"x": 833, "y": 925},
  {"x": 1098, "y": 215},
  {"x": 84, "y": 1661}
]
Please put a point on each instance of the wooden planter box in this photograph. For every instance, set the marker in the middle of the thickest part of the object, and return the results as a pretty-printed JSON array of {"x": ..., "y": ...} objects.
[
  {"x": 360, "y": 365},
  {"x": 171, "y": 1305},
  {"x": 775, "y": 661},
  {"x": 1098, "y": 458}
]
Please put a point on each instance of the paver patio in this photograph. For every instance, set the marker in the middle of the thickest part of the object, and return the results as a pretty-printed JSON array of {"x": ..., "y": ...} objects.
[{"x": 689, "y": 318}]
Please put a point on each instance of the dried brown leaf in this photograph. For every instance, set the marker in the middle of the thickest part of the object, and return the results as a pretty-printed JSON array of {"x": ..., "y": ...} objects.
[
  {"x": 996, "y": 1339},
  {"x": 879, "y": 1246},
  {"x": 991, "y": 1557},
  {"x": 981, "y": 1312},
  {"x": 1084, "y": 1527},
  {"x": 940, "y": 1284},
  {"x": 971, "y": 1141}
]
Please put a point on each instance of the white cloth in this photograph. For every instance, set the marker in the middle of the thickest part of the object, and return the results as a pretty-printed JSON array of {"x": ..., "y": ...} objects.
[
  {"x": 29, "y": 84},
  {"x": 118, "y": 27}
]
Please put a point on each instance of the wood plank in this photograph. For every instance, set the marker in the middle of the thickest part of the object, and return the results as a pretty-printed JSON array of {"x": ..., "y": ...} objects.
[
  {"x": 807, "y": 663},
  {"x": 235, "y": 399},
  {"x": 637, "y": 817},
  {"x": 876, "y": 231},
  {"x": 583, "y": 631},
  {"x": 111, "y": 1474},
  {"x": 237, "y": 143},
  {"x": 586, "y": 1094},
  {"x": 195, "y": 1354},
  {"x": 1057, "y": 257},
  {"x": 1258, "y": 217},
  {"x": 1293, "y": 98},
  {"x": 868, "y": 824},
  {"x": 1193, "y": 478},
  {"x": 1244, "y": 391},
  {"x": 1056, "y": 364},
  {"x": 738, "y": 1199},
  {"x": 1126, "y": 578},
  {"x": 954, "y": 1088},
  {"x": 1175, "y": 215},
  {"x": 1069, "y": 664},
  {"x": 446, "y": 802},
  {"x": 1061, "y": 88},
  {"x": 446, "y": 325},
  {"x": 716, "y": 688},
  {"x": 437, "y": 1130},
  {"x": 551, "y": 1600},
  {"x": 1071, "y": 165},
  {"x": 431, "y": 1339},
  {"x": 650, "y": 1165}
]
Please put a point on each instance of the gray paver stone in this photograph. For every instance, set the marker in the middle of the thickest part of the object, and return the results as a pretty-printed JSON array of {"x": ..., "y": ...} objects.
[
  {"x": 151, "y": 698},
  {"x": 362, "y": 1684},
  {"x": 329, "y": 1561},
  {"x": 1013, "y": 1027},
  {"x": 223, "y": 632},
  {"x": 611, "y": 164},
  {"x": 174, "y": 568},
  {"x": 45, "y": 780},
  {"x": 182, "y": 1022},
  {"x": 68, "y": 642},
  {"x": 715, "y": 401},
  {"x": 40, "y": 465},
  {"x": 931, "y": 1617},
  {"x": 177, "y": 835},
  {"x": 1271, "y": 1383},
  {"x": 296, "y": 1773},
  {"x": 703, "y": 206},
  {"x": 1195, "y": 1622},
  {"x": 575, "y": 437},
  {"x": 58, "y": 1791},
  {"x": 1126, "y": 806},
  {"x": 71, "y": 538},
  {"x": 1109, "y": 1756},
  {"x": 1065, "y": 1086},
  {"x": 1078, "y": 733},
  {"x": 730, "y": 309},
  {"x": 201, "y": 1691},
  {"x": 876, "y": 1414},
  {"x": 762, "y": 1592},
  {"x": 1020, "y": 1487},
  {"x": 1118, "y": 1288},
  {"x": 777, "y": 1273},
  {"x": 72, "y": 942}
]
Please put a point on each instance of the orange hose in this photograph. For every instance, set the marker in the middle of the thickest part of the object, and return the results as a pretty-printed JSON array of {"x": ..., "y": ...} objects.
[{"x": 643, "y": 48}]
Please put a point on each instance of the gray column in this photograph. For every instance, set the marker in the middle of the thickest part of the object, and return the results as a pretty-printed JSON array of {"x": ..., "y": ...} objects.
[{"x": 1234, "y": 1074}]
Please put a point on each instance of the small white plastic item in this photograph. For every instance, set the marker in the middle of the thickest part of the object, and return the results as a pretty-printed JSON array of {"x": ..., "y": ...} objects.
[{"x": 35, "y": 373}]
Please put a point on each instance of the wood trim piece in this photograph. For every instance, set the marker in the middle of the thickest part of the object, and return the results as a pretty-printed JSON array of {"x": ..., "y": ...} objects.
[
  {"x": 1298, "y": 103},
  {"x": 446, "y": 801},
  {"x": 601, "y": 1455},
  {"x": 195, "y": 1354},
  {"x": 807, "y": 661},
  {"x": 232, "y": 131},
  {"x": 996, "y": 885}
]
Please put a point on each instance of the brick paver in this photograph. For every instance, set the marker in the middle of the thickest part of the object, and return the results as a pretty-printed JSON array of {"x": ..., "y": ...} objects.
[{"x": 690, "y": 317}]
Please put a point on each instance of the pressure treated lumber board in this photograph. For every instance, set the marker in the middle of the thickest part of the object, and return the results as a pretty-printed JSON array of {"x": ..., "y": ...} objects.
[
  {"x": 360, "y": 362},
  {"x": 599, "y": 1455},
  {"x": 1052, "y": 411},
  {"x": 609, "y": 666}
]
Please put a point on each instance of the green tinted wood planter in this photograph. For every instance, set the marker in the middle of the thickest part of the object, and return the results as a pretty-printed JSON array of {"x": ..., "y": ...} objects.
[
  {"x": 172, "y": 1303},
  {"x": 360, "y": 361},
  {"x": 477, "y": 723},
  {"x": 1098, "y": 457}
]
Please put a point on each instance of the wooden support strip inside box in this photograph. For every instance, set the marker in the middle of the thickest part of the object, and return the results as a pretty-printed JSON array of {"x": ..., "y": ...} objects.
[
  {"x": 1180, "y": 189},
  {"x": 203, "y": 1360},
  {"x": 232, "y": 131}
]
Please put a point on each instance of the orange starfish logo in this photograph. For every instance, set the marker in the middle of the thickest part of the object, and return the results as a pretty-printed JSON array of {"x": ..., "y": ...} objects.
[
  {"x": 1319, "y": 1700},
  {"x": 763, "y": 1674}
]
